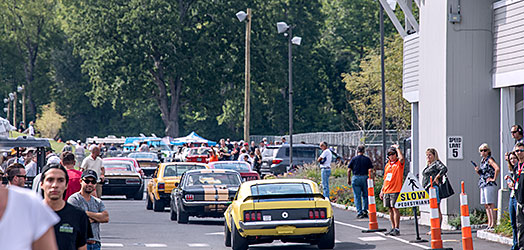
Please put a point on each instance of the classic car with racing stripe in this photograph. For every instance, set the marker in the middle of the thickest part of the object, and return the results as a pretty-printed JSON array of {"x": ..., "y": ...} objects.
[
  {"x": 204, "y": 193},
  {"x": 165, "y": 178},
  {"x": 290, "y": 210}
]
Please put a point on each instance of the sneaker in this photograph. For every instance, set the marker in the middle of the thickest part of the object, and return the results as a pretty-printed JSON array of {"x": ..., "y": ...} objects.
[
  {"x": 360, "y": 216},
  {"x": 396, "y": 232},
  {"x": 390, "y": 232},
  {"x": 365, "y": 215}
]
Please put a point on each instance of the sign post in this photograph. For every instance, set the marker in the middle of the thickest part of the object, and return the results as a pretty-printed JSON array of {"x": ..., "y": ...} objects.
[{"x": 412, "y": 195}]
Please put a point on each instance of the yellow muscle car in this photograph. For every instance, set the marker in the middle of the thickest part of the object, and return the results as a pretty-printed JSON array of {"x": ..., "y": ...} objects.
[
  {"x": 164, "y": 178},
  {"x": 290, "y": 210}
]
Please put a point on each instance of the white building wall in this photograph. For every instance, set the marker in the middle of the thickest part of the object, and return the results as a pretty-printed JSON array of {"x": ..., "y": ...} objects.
[{"x": 455, "y": 94}]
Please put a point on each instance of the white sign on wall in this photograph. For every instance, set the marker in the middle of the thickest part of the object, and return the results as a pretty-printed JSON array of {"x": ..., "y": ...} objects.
[{"x": 455, "y": 147}]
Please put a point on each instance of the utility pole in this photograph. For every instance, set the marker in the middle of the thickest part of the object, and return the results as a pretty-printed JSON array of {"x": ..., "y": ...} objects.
[
  {"x": 382, "y": 69},
  {"x": 247, "y": 87},
  {"x": 14, "y": 109},
  {"x": 290, "y": 79}
]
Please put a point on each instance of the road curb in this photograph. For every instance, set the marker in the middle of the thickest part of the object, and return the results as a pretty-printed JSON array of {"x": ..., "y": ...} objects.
[
  {"x": 489, "y": 236},
  {"x": 379, "y": 214}
]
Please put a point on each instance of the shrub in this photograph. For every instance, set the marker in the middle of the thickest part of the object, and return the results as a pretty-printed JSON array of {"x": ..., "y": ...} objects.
[
  {"x": 504, "y": 228},
  {"x": 476, "y": 217}
]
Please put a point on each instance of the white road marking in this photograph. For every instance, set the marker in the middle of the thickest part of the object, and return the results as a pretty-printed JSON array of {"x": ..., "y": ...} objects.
[
  {"x": 382, "y": 234},
  {"x": 217, "y": 233},
  {"x": 198, "y": 245},
  {"x": 112, "y": 244},
  {"x": 155, "y": 245},
  {"x": 372, "y": 238},
  {"x": 338, "y": 241}
]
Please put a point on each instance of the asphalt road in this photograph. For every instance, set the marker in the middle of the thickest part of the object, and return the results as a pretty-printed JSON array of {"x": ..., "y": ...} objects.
[{"x": 131, "y": 226}]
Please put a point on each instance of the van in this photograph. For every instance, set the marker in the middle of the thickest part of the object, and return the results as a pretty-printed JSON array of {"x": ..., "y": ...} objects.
[{"x": 275, "y": 158}]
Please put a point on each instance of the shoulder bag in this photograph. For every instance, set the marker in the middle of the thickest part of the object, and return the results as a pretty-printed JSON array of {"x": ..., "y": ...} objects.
[{"x": 445, "y": 189}]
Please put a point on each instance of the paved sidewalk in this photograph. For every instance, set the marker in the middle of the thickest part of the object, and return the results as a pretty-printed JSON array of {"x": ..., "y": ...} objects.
[{"x": 450, "y": 238}]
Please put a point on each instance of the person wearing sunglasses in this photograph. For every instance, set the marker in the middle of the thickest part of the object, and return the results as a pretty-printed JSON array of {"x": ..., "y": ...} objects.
[
  {"x": 488, "y": 171},
  {"x": 16, "y": 175},
  {"x": 514, "y": 168},
  {"x": 93, "y": 206}
]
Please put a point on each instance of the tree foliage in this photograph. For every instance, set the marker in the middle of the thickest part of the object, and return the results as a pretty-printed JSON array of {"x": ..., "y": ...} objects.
[{"x": 49, "y": 122}]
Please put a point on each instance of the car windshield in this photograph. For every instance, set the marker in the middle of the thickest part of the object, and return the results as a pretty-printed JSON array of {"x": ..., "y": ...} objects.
[
  {"x": 269, "y": 152},
  {"x": 143, "y": 156},
  {"x": 199, "y": 151},
  {"x": 281, "y": 188},
  {"x": 178, "y": 170},
  {"x": 198, "y": 179},
  {"x": 118, "y": 166},
  {"x": 238, "y": 166}
]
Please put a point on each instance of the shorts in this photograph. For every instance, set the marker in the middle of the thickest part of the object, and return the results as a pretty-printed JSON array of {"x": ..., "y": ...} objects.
[
  {"x": 488, "y": 195},
  {"x": 390, "y": 199}
]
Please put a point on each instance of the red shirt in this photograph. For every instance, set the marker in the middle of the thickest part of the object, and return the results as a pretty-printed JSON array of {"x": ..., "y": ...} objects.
[{"x": 74, "y": 182}]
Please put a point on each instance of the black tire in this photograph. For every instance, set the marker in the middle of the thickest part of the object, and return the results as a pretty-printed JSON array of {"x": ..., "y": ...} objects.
[
  {"x": 139, "y": 195},
  {"x": 327, "y": 241},
  {"x": 158, "y": 206},
  {"x": 129, "y": 197},
  {"x": 149, "y": 205},
  {"x": 227, "y": 235},
  {"x": 173, "y": 213},
  {"x": 238, "y": 242},
  {"x": 182, "y": 217}
]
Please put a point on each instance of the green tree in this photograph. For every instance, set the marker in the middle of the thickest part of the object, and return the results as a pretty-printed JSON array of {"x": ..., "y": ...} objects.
[
  {"x": 364, "y": 88},
  {"x": 48, "y": 124}
]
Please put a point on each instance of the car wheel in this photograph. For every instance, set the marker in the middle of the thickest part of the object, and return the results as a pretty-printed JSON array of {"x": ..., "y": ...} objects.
[
  {"x": 173, "y": 213},
  {"x": 149, "y": 205},
  {"x": 158, "y": 206},
  {"x": 327, "y": 241},
  {"x": 139, "y": 195},
  {"x": 182, "y": 217},
  {"x": 238, "y": 242},
  {"x": 227, "y": 235},
  {"x": 129, "y": 197}
]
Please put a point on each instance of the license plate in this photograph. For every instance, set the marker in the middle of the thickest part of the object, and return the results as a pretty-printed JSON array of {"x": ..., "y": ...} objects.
[{"x": 266, "y": 217}]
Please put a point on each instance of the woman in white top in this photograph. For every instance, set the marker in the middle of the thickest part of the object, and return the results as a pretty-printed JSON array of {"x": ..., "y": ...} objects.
[{"x": 25, "y": 221}]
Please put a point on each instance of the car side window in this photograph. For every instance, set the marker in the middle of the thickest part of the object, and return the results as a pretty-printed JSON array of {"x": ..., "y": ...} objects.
[{"x": 155, "y": 174}]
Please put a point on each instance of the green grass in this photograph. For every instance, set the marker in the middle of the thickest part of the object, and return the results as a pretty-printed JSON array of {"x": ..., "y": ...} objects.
[{"x": 56, "y": 146}]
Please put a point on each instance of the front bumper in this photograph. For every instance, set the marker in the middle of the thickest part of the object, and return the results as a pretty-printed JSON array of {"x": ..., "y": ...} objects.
[{"x": 274, "y": 224}]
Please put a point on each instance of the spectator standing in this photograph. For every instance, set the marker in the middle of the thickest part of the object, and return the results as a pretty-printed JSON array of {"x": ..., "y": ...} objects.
[
  {"x": 246, "y": 147},
  {"x": 93, "y": 207},
  {"x": 243, "y": 154},
  {"x": 393, "y": 175},
  {"x": 224, "y": 149},
  {"x": 283, "y": 140},
  {"x": 30, "y": 130},
  {"x": 16, "y": 175},
  {"x": 68, "y": 161},
  {"x": 519, "y": 195},
  {"x": 67, "y": 147},
  {"x": 143, "y": 147},
  {"x": 79, "y": 153},
  {"x": 434, "y": 169},
  {"x": 235, "y": 152},
  {"x": 514, "y": 168},
  {"x": 252, "y": 147},
  {"x": 71, "y": 231},
  {"x": 94, "y": 162},
  {"x": 488, "y": 171},
  {"x": 261, "y": 146},
  {"x": 30, "y": 167},
  {"x": 26, "y": 222},
  {"x": 257, "y": 162},
  {"x": 325, "y": 167},
  {"x": 360, "y": 166}
]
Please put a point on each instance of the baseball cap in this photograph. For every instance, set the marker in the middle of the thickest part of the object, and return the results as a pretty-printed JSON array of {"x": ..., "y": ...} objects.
[
  {"x": 392, "y": 151},
  {"x": 246, "y": 144},
  {"x": 53, "y": 160},
  {"x": 89, "y": 173}
]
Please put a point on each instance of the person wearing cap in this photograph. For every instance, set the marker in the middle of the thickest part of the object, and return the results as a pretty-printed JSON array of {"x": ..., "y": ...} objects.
[
  {"x": 246, "y": 147},
  {"x": 67, "y": 147},
  {"x": 94, "y": 162},
  {"x": 393, "y": 175},
  {"x": 93, "y": 207},
  {"x": 325, "y": 167},
  {"x": 51, "y": 159},
  {"x": 72, "y": 230}
]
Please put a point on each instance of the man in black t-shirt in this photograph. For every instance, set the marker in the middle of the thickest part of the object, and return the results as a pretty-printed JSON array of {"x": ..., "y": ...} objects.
[
  {"x": 360, "y": 165},
  {"x": 72, "y": 230}
]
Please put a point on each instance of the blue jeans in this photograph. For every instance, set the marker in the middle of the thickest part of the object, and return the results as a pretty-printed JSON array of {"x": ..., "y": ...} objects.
[
  {"x": 512, "y": 209},
  {"x": 360, "y": 191},
  {"x": 324, "y": 174},
  {"x": 95, "y": 246}
]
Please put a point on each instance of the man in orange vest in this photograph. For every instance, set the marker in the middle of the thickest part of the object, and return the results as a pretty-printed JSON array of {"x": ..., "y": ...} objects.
[{"x": 393, "y": 175}]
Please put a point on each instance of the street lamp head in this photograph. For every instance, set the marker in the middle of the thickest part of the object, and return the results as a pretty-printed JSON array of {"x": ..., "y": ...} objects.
[
  {"x": 282, "y": 27},
  {"x": 6, "y": 100},
  {"x": 296, "y": 40},
  {"x": 20, "y": 88},
  {"x": 241, "y": 15},
  {"x": 6, "y": 109},
  {"x": 11, "y": 96}
]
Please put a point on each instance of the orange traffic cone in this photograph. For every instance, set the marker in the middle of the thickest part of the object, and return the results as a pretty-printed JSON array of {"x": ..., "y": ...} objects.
[
  {"x": 436, "y": 241},
  {"x": 467, "y": 240},
  {"x": 373, "y": 224}
]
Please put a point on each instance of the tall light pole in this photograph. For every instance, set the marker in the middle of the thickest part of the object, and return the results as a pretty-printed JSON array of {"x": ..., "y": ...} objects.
[
  {"x": 12, "y": 98},
  {"x": 21, "y": 89},
  {"x": 241, "y": 15},
  {"x": 6, "y": 109},
  {"x": 382, "y": 69},
  {"x": 282, "y": 27}
]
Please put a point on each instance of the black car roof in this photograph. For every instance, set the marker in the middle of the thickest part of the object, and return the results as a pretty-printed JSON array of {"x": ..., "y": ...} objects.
[{"x": 24, "y": 141}]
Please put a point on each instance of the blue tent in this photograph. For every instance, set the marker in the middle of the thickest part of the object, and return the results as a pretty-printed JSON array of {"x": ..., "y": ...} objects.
[{"x": 192, "y": 138}]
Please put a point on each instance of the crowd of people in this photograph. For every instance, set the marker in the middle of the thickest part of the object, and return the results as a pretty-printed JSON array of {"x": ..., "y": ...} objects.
[{"x": 63, "y": 211}]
